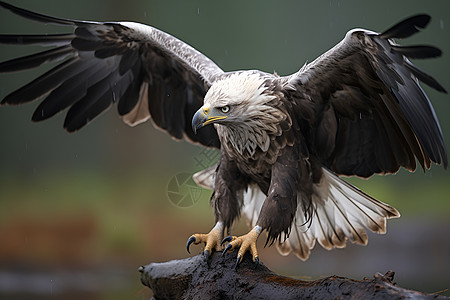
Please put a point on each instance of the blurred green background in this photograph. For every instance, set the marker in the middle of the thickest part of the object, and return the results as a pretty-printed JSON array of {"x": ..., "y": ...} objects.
[{"x": 80, "y": 212}]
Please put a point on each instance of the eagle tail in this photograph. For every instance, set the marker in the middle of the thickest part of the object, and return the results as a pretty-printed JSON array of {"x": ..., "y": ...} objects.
[{"x": 340, "y": 212}]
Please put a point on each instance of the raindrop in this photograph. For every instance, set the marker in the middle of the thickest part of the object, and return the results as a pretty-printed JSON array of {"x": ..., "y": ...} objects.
[
  {"x": 51, "y": 287},
  {"x": 442, "y": 24},
  {"x": 198, "y": 10}
]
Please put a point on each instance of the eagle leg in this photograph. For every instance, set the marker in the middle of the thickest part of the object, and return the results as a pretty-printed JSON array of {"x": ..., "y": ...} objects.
[
  {"x": 212, "y": 239},
  {"x": 246, "y": 242}
]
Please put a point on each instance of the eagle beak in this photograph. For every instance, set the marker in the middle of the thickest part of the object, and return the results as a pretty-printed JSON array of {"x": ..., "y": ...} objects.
[
  {"x": 203, "y": 117},
  {"x": 199, "y": 119}
]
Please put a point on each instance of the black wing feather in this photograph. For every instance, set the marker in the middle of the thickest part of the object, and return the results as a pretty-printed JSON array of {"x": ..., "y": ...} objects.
[
  {"x": 417, "y": 52},
  {"x": 41, "y": 40},
  {"x": 40, "y": 17},
  {"x": 131, "y": 96},
  {"x": 35, "y": 60},
  {"x": 407, "y": 27},
  {"x": 71, "y": 90},
  {"x": 425, "y": 78},
  {"x": 98, "y": 98},
  {"x": 43, "y": 84}
]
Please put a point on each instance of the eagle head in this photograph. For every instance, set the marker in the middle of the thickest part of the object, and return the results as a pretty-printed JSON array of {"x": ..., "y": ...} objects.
[
  {"x": 243, "y": 105},
  {"x": 231, "y": 100}
]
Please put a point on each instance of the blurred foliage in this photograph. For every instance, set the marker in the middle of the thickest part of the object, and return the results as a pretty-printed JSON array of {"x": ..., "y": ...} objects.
[{"x": 99, "y": 197}]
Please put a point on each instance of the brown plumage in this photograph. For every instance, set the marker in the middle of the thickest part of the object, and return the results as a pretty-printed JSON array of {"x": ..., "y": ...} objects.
[{"x": 356, "y": 110}]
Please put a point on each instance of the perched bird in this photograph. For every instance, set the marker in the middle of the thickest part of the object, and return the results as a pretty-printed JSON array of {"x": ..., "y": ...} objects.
[{"x": 357, "y": 110}]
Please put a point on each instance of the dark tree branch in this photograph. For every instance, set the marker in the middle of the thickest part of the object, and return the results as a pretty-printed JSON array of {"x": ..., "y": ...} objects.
[{"x": 196, "y": 278}]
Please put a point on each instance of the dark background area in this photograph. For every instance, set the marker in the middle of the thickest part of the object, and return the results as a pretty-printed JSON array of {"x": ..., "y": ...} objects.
[{"x": 80, "y": 212}]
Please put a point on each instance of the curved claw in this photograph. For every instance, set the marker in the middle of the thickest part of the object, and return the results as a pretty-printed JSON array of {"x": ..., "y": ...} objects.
[
  {"x": 256, "y": 262},
  {"x": 228, "y": 247},
  {"x": 189, "y": 242},
  {"x": 227, "y": 239},
  {"x": 238, "y": 260},
  {"x": 206, "y": 253},
  {"x": 245, "y": 243},
  {"x": 211, "y": 239}
]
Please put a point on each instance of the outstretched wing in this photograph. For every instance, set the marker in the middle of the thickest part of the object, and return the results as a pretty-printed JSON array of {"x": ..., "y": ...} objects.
[
  {"x": 148, "y": 72},
  {"x": 369, "y": 113}
]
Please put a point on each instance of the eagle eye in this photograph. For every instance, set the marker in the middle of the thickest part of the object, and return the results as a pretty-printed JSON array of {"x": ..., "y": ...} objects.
[{"x": 225, "y": 109}]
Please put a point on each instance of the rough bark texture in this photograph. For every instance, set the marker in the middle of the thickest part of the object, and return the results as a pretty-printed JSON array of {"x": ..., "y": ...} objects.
[{"x": 196, "y": 278}]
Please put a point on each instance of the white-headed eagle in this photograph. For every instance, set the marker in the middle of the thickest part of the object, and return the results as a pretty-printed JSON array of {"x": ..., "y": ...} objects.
[{"x": 357, "y": 110}]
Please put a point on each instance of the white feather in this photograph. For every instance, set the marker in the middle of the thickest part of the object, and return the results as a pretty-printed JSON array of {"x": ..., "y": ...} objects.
[
  {"x": 206, "y": 178},
  {"x": 340, "y": 212}
]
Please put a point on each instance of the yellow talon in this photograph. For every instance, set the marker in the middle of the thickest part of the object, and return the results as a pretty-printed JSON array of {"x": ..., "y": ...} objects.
[
  {"x": 212, "y": 239},
  {"x": 245, "y": 243}
]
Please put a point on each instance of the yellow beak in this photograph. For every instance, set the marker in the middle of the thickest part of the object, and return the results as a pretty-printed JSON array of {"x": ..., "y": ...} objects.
[{"x": 203, "y": 117}]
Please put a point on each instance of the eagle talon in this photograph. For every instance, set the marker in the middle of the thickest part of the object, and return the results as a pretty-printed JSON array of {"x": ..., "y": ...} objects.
[
  {"x": 206, "y": 253},
  {"x": 227, "y": 239},
  {"x": 256, "y": 260},
  {"x": 211, "y": 240},
  {"x": 245, "y": 243},
  {"x": 238, "y": 260},
  {"x": 189, "y": 242},
  {"x": 228, "y": 247}
]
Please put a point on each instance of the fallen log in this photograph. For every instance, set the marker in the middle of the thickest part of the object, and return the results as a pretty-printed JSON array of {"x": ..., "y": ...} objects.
[{"x": 217, "y": 278}]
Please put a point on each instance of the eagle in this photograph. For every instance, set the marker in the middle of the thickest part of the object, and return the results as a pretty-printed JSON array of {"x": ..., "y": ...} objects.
[{"x": 285, "y": 141}]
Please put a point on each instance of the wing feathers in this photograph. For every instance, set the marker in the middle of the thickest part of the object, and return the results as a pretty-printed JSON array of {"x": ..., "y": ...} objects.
[
  {"x": 40, "y": 17},
  {"x": 407, "y": 27},
  {"x": 384, "y": 119},
  {"x": 43, "y": 84},
  {"x": 419, "y": 52},
  {"x": 35, "y": 60},
  {"x": 72, "y": 89},
  {"x": 99, "y": 97},
  {"x": 104, "y": 63},
  {"x": 41, "y": 40},
  {"x": 425, "y": 78}
]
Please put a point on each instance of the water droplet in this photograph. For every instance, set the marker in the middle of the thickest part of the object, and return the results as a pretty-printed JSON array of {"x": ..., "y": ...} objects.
[
  {"x": 51, "y": 287},
  {"x": 442, "y": 24}
]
